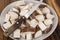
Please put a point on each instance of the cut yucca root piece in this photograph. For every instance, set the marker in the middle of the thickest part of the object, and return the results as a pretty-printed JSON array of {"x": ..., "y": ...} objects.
[
  {"x": 48, "y": 22},
  {"x": 16, "y": 33},
  {"x": 28, "y": 6},
  {"x": 15, "y": 9},
  {"x": 39, "y": 11},
  {"x": 20, "y": 3},
  {"x": 7, "y": 25},
  {"x": 40, "y": 18},
  {"x": 29, "y": 35},
  {"x": 21, "y": 7},
  {"x": 7, "y": 18},
  {"x": 33, "y": 23},
  {"x": 38, "y": 33},
  {"x": 49, "y": 16},
  {"x": 13, "y": 15},
  {"x": 42, "y": 26},
  {"x": 23, "y": 34},
  {"x": 23, "y": 12},
  {"x": 46, "y": 10}
]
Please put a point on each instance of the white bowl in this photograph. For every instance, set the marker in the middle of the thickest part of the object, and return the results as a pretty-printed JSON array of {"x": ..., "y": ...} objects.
[{"x": 55, "y": 21}]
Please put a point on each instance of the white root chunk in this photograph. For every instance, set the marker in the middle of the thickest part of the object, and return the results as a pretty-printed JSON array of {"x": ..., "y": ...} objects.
[
  {"x": 38, "y": 33},
  {"x": 42, "y": 26},
  {"x": 23, "y": 12},
  {"x": 46, "y": 10},
  {"x": 20, "y": 3},
  {"x": 29, "y": 35},
  {"x": 49, "y": 16},
  {"x": 48, "y": 22},
  {"x": 23, "y": 34},
  {"x": 33, "y": 23},
  {"x": 13, "y": 15},
  {"x": 28, "y": 6},
  {"x": 39, "y": 11},
  {"x": 16, "y": 33},
  {"x": 7, "y": 25},
  {"x": 7, "y": 18},
  {"x": 14, "y": 9},
  {"x": 40, "y": 18},
  {"x": 21, "y": 7}
]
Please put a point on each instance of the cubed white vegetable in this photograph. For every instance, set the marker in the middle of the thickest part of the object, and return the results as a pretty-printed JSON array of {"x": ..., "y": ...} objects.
[
  {"x": 23, "y": 12},
  {"x": 38, "y": 34},
  {"x": 7, "y": 18},
  {"x": 29, "y": 35},
  {"x": 13, "y": 15},
  {"x": 33, "y": 23},
  {"x": 49, "y": 16},
  {"x": 48, "y": 22},
  {"x": 23, "y": 34},
  {"x": 40, "y": 18},
  {"x": 21, "y": 7},
  {"x": 42, "y": 26},
  {"x": 16, "y": 33},
  {"x": 46, "y": 10},
  {"x": 7, "y": 25},
  {"x": 20, "y": 3},
  {"x": 39, "y": 11},
  {"x": 14, "y": 9},
  {"x": 28, "y": 6}
]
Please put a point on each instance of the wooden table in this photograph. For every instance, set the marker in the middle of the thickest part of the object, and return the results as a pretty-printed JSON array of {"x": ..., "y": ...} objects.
[{"x": 4, "y": 3}]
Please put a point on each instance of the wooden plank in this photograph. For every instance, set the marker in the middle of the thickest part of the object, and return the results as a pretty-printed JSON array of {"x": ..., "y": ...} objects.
[
  {"x": 1, "y": 5},
  {"x": 1, "y": 34}
]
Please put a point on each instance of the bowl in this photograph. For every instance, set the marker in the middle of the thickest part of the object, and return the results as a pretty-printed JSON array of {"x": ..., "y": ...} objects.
[{"x": 55, "y": 21}]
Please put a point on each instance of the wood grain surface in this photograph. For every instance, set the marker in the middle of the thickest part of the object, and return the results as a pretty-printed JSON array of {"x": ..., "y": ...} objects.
[{"x": 56, "y": 33}]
